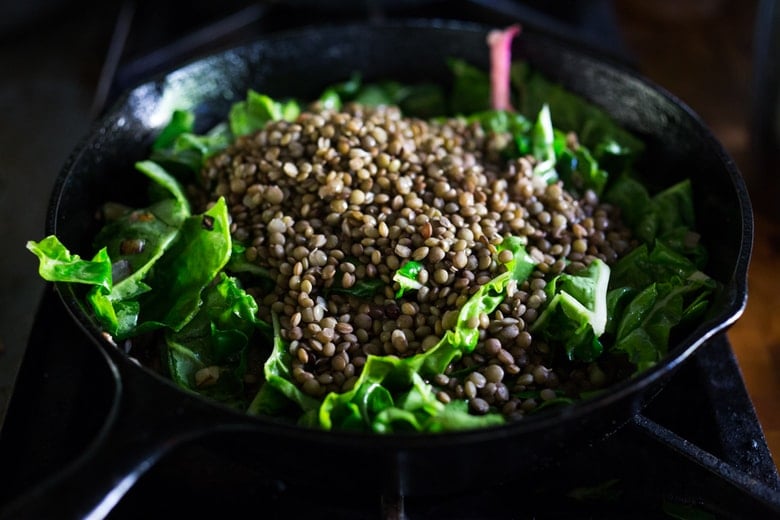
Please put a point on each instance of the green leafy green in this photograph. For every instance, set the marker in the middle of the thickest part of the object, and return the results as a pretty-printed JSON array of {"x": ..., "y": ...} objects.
[
  {"x": 390, "y": 396},
  {"x": 190, "y": 151},
  {"x": 182, "y": 122},
  {"x": 470, "y": 88},
  {"x": 419, "y": 100},
  {"x": 406, "y": 277},
  {"x": 544, "y": 146},
  {"x": 200, "y": 251},
  {"x": 377, "y": 94},
  {"x": 129, "y": 247},
  {"x": 580, "y": 171},
  {"x": 658, "y": 290},
  {"x": 643, "y": 331},
  {"x": 504, "y": 121},
  {"x": 570, "y": 112},
  {"x": 135, "y": 242},
  {"x": 614, "y": 158},
  {"x": 500, "y": 121},
  {"x": 631, "y": 308},
  {"x": 58, "y": 264},
  {"x": 208, "y": 355},
  {"x": 644, "y": 266},
  {"x": 364, "y": 289},
  {"x": 635, "y": 204},
  {"x": 165, "y": 180},
  {"x": 424, "y": 100},
  {"x": 603, "y": 146},
  {"x": 178, "y": 145},
  {"x": 174, "y": 255},
  {"x": 576, "y": 312},
  {"x": 119, "y": 317},
  {"x": 333, "y": 97},
  {"x": 258, "y": 109},
  {"x": 667, "y": 216}
]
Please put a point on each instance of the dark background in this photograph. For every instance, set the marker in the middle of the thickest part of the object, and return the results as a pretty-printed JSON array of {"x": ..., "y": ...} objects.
[{"x": 56, "y": 57}]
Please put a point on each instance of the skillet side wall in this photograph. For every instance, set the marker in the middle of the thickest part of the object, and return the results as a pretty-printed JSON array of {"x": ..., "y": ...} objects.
[{"x": 298, "y": 66}]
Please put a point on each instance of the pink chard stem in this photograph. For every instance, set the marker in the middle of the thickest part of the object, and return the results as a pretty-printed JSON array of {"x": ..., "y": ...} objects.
[{"x": 500, "y": 42}]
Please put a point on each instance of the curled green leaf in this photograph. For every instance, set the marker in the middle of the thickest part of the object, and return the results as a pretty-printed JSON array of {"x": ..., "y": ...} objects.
[
  {"x": 406, "y": 277},
  {"x": 58, "y": 264}
]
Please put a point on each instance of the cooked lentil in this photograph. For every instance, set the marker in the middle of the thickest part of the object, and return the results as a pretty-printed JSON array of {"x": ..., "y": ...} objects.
[{"x": 334, "y": 199}]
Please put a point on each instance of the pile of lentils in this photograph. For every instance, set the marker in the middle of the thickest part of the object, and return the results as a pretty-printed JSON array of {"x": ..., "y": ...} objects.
[{"x": 339, "y": 198}]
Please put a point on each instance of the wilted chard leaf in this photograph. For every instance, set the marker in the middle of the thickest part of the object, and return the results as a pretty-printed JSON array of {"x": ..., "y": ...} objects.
[
  {"x": 659, "y": 289},
  {"x": 215, "y": 342},
  {"x": 576, "y": 312},
  {"x": 201, "y": 249},
  {"x": 58, "y": 264}
]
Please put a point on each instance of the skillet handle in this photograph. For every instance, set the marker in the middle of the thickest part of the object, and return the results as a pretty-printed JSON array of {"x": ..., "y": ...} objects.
[{"x": 143, "y": 425}]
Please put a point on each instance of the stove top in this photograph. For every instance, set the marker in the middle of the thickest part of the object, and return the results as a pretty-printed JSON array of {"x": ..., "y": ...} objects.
[{"x": 697, "y": 451}]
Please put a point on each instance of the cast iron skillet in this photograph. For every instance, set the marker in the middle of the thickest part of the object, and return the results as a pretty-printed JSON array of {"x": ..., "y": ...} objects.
[{"x": 150, "y": 415}]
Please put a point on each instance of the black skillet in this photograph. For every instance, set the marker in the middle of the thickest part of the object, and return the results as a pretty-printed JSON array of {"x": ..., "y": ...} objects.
[{"x": 150, "y": 416}]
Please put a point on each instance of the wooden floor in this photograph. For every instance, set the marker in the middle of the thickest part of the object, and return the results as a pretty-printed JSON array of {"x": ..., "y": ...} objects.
[{"x": 702, "y": 52}]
